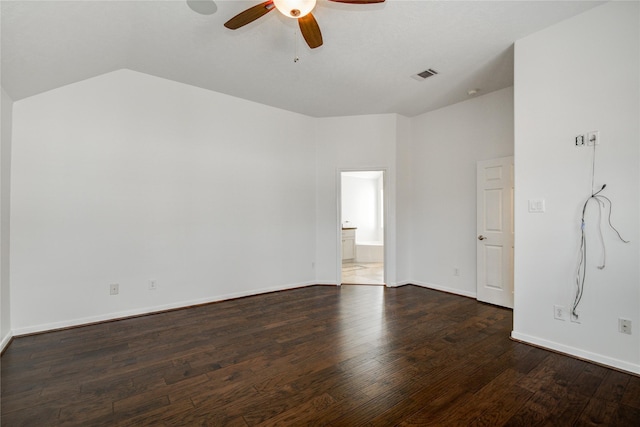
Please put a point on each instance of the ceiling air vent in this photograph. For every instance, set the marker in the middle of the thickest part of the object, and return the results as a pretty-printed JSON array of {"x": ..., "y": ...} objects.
[{"x": 425, "y": 74}]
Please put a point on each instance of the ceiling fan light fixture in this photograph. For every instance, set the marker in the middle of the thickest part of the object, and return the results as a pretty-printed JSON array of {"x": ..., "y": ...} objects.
[{"x": 295, "y": 8}]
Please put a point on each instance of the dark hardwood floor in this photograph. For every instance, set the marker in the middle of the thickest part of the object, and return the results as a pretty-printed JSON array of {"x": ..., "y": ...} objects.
[{"x": 343, "y": 356}]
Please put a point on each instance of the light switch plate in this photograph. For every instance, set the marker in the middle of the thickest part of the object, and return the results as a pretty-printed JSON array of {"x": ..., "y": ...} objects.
[{"x": 536, "y": 205}]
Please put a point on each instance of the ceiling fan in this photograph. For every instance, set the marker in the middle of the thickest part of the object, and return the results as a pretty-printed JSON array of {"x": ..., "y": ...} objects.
[{"x": 297, "y": 9}]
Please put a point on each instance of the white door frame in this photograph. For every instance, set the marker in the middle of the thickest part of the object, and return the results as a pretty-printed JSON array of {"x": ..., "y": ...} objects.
[{"x": 338, "y": 225}]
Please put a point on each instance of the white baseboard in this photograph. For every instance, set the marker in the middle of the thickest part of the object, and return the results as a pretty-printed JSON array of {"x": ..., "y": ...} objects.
[
  {"x": 578, "y": 353},
  {"x": 331, "y": 282},
  {"x": 398, "y": 284},
  {"x": 148, "y": 310},
  {"x": 5, "y": 341},
  {"x": 445, "y": 289}
]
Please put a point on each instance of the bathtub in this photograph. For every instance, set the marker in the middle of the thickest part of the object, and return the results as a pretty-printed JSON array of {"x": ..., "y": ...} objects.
[{"x": 369, "y": 251}]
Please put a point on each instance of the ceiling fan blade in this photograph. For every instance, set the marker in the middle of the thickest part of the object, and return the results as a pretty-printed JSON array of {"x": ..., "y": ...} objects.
[
  {"x": 249, "y": 15},
  {"x": 310, "y": 31},
  {"x": 358, "y": 1}
]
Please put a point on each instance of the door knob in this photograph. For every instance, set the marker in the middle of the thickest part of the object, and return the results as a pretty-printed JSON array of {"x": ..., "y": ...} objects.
[{"x": 481, "y": 237}]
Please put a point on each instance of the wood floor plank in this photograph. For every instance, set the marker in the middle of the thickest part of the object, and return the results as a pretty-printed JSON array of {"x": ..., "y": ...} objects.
[
  {"x": 468, "y": 407},
  {"x": 598, "y": 412},
  {"x": 613, "y": 387},
  {"x": 631, "y": 393},
  {"x": 625, "y": 416},
  {"x": 320, "y": 355},
  {"x": 568, "y": 409}
]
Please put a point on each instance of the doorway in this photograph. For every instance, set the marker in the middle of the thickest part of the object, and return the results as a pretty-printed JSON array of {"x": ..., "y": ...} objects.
[{"x": 362, "y": 225}]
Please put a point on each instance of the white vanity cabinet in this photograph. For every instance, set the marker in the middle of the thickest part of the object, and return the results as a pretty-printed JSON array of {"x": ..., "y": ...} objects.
[{"x": 348, "y": 244}]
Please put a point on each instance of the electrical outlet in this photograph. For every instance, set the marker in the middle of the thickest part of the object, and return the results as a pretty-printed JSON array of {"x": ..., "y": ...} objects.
[
  {"x": 580, "y": 141},
  {"x": 593, "y": 138},
  {"x": 559, "y": 312},
  {"x": 624, "y": 326},
  {"x": 114, "y": 289},
  {"x": 575, "y": 317},
  {"x": 153, "y": 285}
]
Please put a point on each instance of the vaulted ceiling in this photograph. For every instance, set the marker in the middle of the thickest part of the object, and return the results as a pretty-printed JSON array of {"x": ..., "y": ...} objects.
[{"x": 365, "y": 66}]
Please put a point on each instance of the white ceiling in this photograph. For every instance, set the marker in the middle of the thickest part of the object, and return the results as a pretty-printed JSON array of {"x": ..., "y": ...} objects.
[{"x": 364, "y": 67}]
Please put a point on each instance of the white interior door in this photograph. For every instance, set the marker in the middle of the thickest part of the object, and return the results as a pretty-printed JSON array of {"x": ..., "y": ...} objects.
[{"x": 495, "y": 231}]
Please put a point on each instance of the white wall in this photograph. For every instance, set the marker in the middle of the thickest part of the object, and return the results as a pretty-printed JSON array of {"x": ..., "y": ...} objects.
[
  {"x": 126, "y": 177},
  {"x": 352, "y": 143},
  {"x": 5, "y": 203},
  {"x": 445, "y": 146},
  {"x": 579, "y": 75}
]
